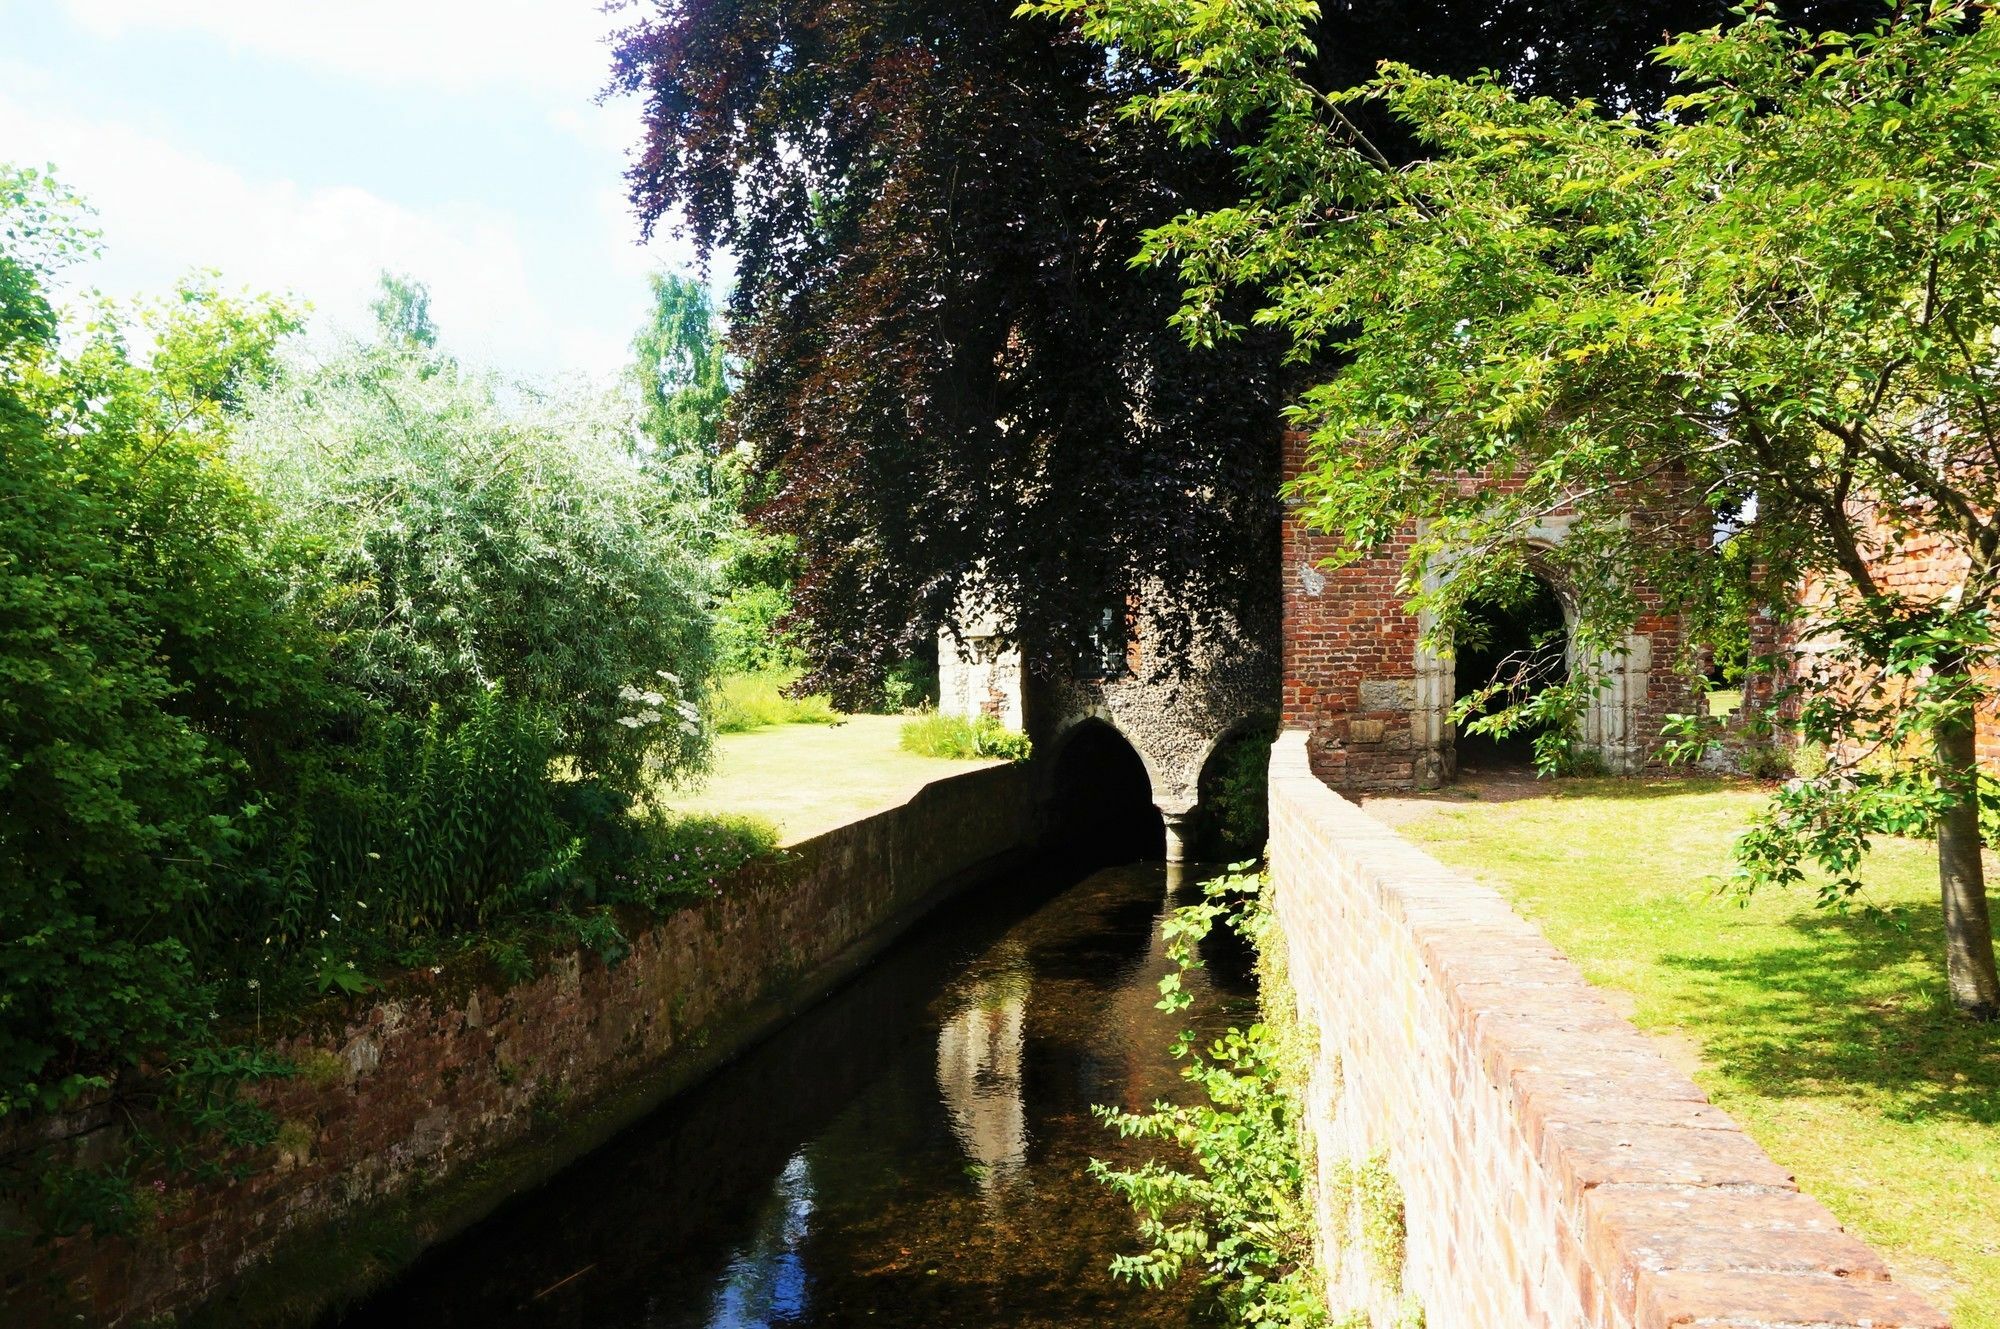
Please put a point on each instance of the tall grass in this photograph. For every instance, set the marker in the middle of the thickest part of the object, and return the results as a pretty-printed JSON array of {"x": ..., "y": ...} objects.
[
  {"x": 960, "y": 739},
  {"x": 743, "y": 702}
]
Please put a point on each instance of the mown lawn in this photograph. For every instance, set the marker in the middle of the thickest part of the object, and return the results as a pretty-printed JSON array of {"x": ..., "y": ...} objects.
[
  {"x": 1827, "y": 1035},
  {"x": 810, "y": 778}
]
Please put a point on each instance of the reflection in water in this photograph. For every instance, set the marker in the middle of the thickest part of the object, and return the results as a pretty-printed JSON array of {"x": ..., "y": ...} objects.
[
  {"x": 766, "y": 1282},
  {"x": 979, "y": 1074},
  {"x": 867, "y": 1166}
]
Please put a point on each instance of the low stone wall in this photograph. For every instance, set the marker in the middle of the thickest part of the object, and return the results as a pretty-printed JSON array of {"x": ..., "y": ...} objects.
[
  {"x": 426, "y": 1107},
  {"x": 1553, "y": 1169}
]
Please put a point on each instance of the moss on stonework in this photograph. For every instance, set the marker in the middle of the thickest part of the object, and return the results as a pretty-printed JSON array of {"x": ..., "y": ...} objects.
[
  {"x": 1366, "y": 1192},
  {"x": 1375, "y": 1207}
]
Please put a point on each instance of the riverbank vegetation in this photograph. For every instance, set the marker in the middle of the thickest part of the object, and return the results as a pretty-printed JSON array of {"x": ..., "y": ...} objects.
[
  {"x": 1232, "y": 1203},
  {"x": 314, "y": 667},
  {"x": 1830, "y": 1036}
]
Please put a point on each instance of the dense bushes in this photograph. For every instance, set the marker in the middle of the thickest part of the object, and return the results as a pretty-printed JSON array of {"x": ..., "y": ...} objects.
[
  {"x": 304, "y": 674},
  {"x": 149, "y": 674},
  {"x": 467, "y": 546}
]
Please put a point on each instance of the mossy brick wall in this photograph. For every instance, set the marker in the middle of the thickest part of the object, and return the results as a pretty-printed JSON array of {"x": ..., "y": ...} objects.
[
  {"x": 1556, "y": 1171},
  {"x": 448, "y": 1075}
]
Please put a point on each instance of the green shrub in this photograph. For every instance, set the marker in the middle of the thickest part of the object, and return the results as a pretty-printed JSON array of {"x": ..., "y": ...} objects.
[
  {"x": 473, "y": 544},
  {"x": 673, "y": 859},
  {"x": 910, "y": 685},
  {"x": 1233, "y": 791},
  {"x": 151, "y": 674},
  {"x": 747, "y": 638},
  {"x": 959, "y": 739},
  {"x": 743, "y": 702}
]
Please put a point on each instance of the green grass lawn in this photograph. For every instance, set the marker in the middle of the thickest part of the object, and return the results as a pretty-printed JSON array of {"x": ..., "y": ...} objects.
[
  {"x": 1828, "y": 1036},
  {"x": 810, "y": 778}
]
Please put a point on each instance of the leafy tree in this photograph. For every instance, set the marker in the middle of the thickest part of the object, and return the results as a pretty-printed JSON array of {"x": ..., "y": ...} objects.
[
  {"x": 402, "y": 310},
  {"x": 151, "y": 678},
  {"x": 473, "y": 544},
  {"x": 685, "y": 377},
  {"x": 681, "y": 368},
  {"x": 950, "y": 365},
  {"x": 1776, "y": 306}
]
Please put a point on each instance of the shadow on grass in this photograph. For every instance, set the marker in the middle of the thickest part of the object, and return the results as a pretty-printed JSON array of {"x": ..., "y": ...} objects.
[
  {"x": 1859, "y": 1009},
  {"x": 1650, "y": 787}
]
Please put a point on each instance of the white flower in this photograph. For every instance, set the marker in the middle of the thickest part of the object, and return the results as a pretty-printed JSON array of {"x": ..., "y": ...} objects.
[{"x": 630, "y": 721}]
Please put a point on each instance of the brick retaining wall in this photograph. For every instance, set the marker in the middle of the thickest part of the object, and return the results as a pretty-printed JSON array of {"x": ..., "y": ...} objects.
[
  {"x": 450, "y": 1075},
  {"x": 1556, "y": 1171}
]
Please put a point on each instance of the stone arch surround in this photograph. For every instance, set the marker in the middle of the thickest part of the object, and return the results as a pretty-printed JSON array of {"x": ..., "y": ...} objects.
[
  {"x": 1375, "y": 701},
  {"x": 1612, "y": 723}
]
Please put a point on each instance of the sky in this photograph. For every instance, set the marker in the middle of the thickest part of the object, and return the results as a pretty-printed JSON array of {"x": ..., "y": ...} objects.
[{"x": 303, "y": 146}]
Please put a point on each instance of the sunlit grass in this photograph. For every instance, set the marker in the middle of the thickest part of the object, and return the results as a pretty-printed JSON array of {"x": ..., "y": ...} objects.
[
  {"x": 809, "y": 778},
  {"x": 742, "y": 703},
  {"x": 959, "y": 739},
  {"x": 1828, "y": 1036}
]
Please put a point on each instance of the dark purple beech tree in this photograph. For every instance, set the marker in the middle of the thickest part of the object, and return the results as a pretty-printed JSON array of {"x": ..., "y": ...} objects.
[{"x": 953, "y": 368}]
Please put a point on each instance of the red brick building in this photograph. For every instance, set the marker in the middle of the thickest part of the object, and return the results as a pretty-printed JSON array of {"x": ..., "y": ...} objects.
[{"x": 1375, "y": 701}]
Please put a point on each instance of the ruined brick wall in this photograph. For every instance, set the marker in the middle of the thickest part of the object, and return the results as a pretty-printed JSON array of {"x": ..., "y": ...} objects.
[
  {"x": 1357, "y": 679},
  {"x": 1923, "y": 568},
  {"x": 1555, "y": 1171},
  {"x": 446, "y": 1071}
]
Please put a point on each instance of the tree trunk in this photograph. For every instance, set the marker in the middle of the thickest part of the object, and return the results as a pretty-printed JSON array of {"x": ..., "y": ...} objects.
[{"x": 1968, "y": 931}]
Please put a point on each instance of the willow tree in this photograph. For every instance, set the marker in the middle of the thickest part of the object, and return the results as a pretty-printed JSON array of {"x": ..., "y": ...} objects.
[{"x": 1779, "y": 301}]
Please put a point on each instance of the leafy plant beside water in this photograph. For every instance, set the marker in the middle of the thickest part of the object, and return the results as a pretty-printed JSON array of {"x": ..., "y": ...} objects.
[{"x": 1241, "y": 1214}]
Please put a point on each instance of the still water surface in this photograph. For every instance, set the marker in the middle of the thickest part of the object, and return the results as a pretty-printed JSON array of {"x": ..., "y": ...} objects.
[{"x": 913, "y": 1152}]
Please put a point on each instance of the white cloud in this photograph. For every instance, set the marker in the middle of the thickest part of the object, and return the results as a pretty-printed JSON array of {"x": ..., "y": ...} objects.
[
  {"x": 546, "y": 45},
  {"x": 164, "y": 210}
]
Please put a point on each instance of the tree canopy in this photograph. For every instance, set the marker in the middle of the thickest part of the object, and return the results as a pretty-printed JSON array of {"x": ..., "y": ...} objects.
[
  {"x": 952, "y": 369},
  {"x": 954, "y": 373},
  {"x": 1775, "y": 307}
]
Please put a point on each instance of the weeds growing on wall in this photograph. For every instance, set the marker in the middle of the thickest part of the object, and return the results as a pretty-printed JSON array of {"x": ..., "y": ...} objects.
[
  {"x": 1240, "y": 1213},
  {"x": 959, "y": 739}
]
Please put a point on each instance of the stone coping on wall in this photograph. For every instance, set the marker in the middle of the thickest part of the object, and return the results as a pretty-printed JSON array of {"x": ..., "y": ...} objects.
[{"x": 1556, "y": 1169}]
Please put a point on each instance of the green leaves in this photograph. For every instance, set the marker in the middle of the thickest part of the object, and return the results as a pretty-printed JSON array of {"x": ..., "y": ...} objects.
[
  {"x": 1240, "y": 1215},
  {"x": 1771, "y": 314}
]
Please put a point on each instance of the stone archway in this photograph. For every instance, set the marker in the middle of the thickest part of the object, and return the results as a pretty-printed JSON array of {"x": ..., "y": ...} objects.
[
  {"x": 1610, "y": 722},
  {"x": 1099, "y": 792}
]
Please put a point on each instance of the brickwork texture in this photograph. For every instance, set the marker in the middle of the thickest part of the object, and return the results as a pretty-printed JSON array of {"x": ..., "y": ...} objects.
[
  {"x": 1556, "y": 1171},
  {"x": 1355, "y": 679},
  {"x": 452, "y": 1070}
]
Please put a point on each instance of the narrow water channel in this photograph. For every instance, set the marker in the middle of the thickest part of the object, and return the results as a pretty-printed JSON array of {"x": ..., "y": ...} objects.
[{"x": 913, "y": 1152}]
